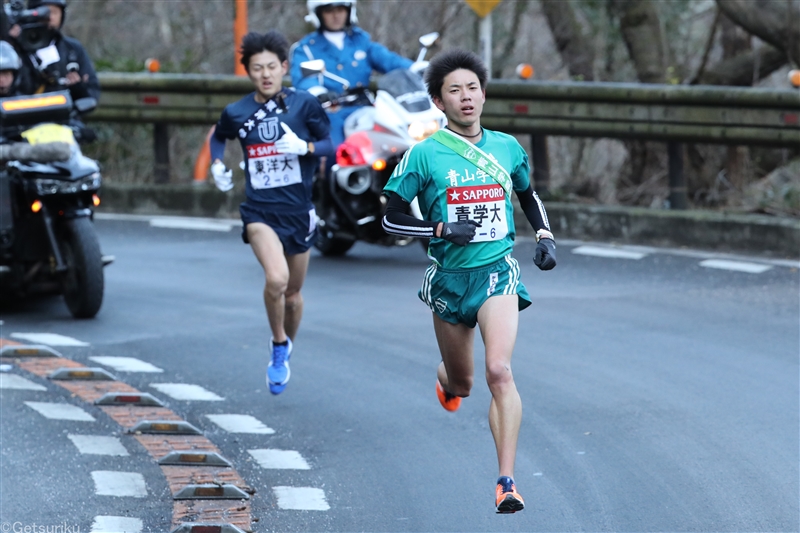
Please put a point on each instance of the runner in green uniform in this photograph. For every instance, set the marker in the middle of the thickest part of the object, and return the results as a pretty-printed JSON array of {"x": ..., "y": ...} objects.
[{"x": 463, "y": 177}]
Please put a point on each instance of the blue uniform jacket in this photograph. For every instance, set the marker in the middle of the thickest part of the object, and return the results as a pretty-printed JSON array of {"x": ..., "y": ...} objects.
[
  {"x": 355, "y": 62},
  {"x": 274, "y": 180}
]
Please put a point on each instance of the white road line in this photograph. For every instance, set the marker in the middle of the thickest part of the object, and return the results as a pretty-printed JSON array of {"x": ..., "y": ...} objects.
[
  {"x": 601, "y": 251},
  {"x": 737, "y": 266},
  {"x": 6, "y": 368},
  {"x": 301, "y": 498},
  {"x": 60, "y": 411},
  {"x": 185, "y": 391},
  {"x": 98, "y": 445},
  {"x": 112, "y": 483},
  {"x": 240, "y": 424},
  {"x": 50, "y": 339},
  {"x": 13, "y": 381},
  {"x": 125, "y": 364},
  {"x": 279, "y": 459},
  {"x": 190, "y": 223},
  {"x": 116, "y": 524}
]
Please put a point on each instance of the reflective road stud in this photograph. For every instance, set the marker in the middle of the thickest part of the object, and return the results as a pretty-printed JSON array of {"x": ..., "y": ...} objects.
[
  {"x": 128, "y": 398},
  {"x": 211, "y": 491},
  {"x": 28, "y": 351},
  {"x": 83, "y": 373},
  {"x": 206, "y": 528},
  {"x": 173, "y": 427},
  {"x": 194, "y": 459}
]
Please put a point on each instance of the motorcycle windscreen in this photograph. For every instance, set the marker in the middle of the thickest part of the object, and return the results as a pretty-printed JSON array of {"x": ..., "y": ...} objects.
[
  {"x": 407, "y": 88},
  {"x": 28, "y": 110}
]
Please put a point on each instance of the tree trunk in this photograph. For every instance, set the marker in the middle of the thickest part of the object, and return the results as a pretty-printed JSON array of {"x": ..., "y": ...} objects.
[
  {"x": 641, "y": 30},
  {"x": 776, "y": 22},
  {"x": 575, "y": 48}
]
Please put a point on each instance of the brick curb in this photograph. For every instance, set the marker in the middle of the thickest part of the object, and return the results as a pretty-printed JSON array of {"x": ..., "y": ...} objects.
[
  {"x": 707, "y": 230},
  {"x": 234, "y": 512}
]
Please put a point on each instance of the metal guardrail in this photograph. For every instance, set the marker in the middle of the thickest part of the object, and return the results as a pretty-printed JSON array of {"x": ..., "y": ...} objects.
[
  {"x": 728, "y": 115},
  {"x": 670, "y": 113}
]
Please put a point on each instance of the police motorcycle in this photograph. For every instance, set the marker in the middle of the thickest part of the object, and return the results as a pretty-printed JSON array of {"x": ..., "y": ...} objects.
[
  {"x": 48, "y": 190},
  {"x": 350, "y": 204}
]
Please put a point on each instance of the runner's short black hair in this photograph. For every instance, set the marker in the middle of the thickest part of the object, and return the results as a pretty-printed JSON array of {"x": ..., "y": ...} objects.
[
  {"x": 254, "y": 43},
  {"x": 450, "y": 61}
]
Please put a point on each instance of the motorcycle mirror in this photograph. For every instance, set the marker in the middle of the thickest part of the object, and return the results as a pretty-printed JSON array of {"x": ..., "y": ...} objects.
[
  {"x": 313, "y": 67},
  {"x": 428, "y": 39},
  {"x": 84, "y": 105}
]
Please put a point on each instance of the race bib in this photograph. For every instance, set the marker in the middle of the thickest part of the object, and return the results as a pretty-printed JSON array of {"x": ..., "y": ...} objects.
[
  {"x": 485, "y": 204},
  {"x": 269, "y": 168}
]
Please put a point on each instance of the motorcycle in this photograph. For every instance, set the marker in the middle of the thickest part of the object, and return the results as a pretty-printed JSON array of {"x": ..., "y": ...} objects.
[
  {"x": 48, "y": 190},
  {"x": 350, "y": 203}
]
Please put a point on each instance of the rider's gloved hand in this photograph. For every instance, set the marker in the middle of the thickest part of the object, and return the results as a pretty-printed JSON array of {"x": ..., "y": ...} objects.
[
  {"x": 223, "y": 177},
  {"x": 545, "y": 255},
  {"x": 290, "y": 143},
  {"x": 460, "y": 232}
]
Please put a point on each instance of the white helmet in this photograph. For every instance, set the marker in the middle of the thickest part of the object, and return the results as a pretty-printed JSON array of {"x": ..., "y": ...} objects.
[
  {"x": 9, "y": 59},
  {"x": 314, "y": 5}
]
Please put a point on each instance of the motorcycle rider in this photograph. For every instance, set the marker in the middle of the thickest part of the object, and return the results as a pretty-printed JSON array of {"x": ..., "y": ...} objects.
[
  {"x": 10, "y": 64},
  {"x": 63, "y": 63},
  {"x": 348, "y": 52}
]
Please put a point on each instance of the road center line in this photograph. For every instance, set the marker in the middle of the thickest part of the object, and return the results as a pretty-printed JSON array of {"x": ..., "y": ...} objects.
[
  {"x": 185, "y": 391},
  {"x": 50, "y": 339},
  {"x": 13, "y": 381},
  {"x": 737, "y": 266},
  {"x": 60, "y": 411},
  {"x": 125, "y": 364},
  {"x": 116, "y": 524},
  {"x": 301, "y": 498},
  {"x": 279, "y": 459},
  {"x": 240, "y": 424},
  {"x": 98, "y": 445},
  {"x": 614, "y": 253},
  {"x": 113, "y": 483}
]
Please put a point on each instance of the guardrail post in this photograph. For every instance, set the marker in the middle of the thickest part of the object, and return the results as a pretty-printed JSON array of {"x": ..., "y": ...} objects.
[
  {"x": 541, "y": 165},
  {"x": 161, "y": 152},
  {"x": 677, "y": 181}
]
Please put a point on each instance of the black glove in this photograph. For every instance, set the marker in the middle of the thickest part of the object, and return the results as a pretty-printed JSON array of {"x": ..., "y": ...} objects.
[
  {"x": 460, "y": 232},
  {"x": 545, "y": 255}
]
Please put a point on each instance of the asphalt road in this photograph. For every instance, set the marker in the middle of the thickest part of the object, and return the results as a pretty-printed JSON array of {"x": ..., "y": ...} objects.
[{"x": 659, "y": 394}]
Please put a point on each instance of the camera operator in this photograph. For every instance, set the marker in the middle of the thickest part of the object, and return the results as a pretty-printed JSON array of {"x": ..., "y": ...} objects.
[{"x": 63, "y": 63}]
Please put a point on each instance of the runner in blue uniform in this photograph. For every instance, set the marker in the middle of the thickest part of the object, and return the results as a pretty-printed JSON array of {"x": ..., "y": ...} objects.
[{"x": 282, "y": 133}]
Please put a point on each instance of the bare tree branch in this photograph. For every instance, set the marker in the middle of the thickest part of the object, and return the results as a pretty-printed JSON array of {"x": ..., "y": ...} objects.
[
  {"x": 739, "y": 70},
  {"x": 772, "y": 21}
]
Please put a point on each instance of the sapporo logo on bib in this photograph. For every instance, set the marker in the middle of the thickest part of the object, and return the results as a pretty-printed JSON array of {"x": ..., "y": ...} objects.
[
  {"x": 485, "y": 204},
  {"x": 268, "y": 168}
]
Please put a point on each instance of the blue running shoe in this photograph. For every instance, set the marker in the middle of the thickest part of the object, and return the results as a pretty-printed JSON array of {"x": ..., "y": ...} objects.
[{"x": 278, "y": 372}]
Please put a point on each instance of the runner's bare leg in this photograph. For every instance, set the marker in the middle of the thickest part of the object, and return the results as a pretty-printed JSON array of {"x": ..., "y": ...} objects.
[
  {"x": 457, "y": 370},
  {"x": 498, "y": 319},
  {"x": 269, "y": 252}
]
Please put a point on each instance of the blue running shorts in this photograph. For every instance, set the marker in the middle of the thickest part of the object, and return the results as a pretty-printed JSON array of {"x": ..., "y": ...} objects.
[{"x": 296, "y": 229}]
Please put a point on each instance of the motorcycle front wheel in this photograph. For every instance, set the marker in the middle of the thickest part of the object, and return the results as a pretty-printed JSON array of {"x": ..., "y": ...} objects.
[{"x": 83, "y": 282}]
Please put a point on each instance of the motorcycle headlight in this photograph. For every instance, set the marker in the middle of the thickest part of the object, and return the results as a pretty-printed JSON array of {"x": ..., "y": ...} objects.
[
  {"x": 49, "y": 186},
  {"x": 422, "y": 130}
]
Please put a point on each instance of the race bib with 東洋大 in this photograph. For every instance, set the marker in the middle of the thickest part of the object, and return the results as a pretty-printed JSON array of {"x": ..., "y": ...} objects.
[
  {"x": 269, "y": 168},
  {"x": 485, "y": 204}
]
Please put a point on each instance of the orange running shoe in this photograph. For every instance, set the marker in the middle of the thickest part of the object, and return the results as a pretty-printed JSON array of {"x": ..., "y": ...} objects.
[
  {"x": 448, "y": 401},
  {"x": 507, "y": 498}
]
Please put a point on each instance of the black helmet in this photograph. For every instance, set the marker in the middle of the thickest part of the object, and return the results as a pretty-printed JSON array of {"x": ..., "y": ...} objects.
[{"x": 32, "y": 4}]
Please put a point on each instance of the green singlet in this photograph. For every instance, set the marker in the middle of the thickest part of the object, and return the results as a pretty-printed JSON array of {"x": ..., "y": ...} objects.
[{"x": 450, "y": 188}]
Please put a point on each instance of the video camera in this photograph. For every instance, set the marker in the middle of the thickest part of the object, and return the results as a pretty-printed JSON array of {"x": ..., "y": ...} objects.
[{"x": 34, "y": 25}]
